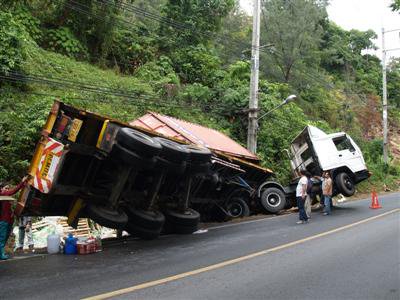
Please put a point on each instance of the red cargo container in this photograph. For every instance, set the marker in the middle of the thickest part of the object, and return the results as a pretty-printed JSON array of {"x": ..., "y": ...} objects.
[{"x": 193, "y": 134}]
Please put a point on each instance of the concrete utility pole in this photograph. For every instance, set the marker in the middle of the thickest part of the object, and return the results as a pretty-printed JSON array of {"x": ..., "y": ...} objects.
[
  {"x": 255, "y": 58},
  {"x": 384, "y": 95},
  {"x": 384, "y": 100}
]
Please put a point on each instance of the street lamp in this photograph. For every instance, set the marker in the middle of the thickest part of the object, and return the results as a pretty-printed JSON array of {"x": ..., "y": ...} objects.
[{"x": 289, "y": 99}]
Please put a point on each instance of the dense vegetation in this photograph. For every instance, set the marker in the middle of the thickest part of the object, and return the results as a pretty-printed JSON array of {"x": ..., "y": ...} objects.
[{"x": 190, "y": 59}]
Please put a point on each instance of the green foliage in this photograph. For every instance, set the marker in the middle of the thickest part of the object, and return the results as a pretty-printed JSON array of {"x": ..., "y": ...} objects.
[
  {"x": 196, "y": 64},
  {"x": 393, "y": 82},
  {"x": 198, "y": 20},
  {"x": 13, "y": 43},
  {"x": 382, "y": 174},
  {"x": 32, "y": 24},
  {"x": 199, "y": 72},
  {"x": 294, "y": 31},
  {"x": 63, "y": 41},
  {"x": 161, "y": 74},
  {"x": 395, "y": 5},
  {"x": 131, "y": 49},
  {"x": 278, "y": 129},
  {"x": 21, "y": 118}
]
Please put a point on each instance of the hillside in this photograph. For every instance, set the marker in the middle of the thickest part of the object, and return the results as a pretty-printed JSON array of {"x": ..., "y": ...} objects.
[{"x": 192, "y": 64}]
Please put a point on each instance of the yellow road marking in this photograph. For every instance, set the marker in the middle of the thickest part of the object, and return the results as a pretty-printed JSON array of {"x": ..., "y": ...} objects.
[{"x": 231, "y": 261}]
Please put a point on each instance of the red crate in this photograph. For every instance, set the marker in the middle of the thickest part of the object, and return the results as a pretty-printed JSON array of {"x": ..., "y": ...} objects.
[{"x": 86, "y": 247}]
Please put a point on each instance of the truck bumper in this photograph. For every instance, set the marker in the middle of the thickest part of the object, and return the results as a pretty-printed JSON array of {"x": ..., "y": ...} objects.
[{"x": 362, "y": 175}]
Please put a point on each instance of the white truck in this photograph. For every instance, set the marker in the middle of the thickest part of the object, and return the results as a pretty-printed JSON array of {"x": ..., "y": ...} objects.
[{"x": 315, "y": 151}]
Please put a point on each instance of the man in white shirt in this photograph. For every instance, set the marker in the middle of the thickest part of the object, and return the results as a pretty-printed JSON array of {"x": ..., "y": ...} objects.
[{"x": 301, "y": 194}]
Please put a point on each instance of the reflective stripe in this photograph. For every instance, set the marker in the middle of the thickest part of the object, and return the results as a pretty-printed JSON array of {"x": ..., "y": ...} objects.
[{"x": 43, "y": 179}]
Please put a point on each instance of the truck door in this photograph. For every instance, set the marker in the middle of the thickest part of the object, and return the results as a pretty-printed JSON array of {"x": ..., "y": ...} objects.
[{"x": 347, "y": 154}]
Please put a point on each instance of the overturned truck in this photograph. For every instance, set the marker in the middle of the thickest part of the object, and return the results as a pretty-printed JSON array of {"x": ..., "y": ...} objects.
[
  {"x": 136, "y": 179},
  {"x": 236, "y": 185}
]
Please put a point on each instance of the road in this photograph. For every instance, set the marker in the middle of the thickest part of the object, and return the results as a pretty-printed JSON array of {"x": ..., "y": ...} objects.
[{"x": 352, "y": 254}]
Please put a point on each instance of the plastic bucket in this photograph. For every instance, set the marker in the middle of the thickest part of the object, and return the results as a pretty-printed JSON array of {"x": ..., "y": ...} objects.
[{"x": 53, "y": 243}]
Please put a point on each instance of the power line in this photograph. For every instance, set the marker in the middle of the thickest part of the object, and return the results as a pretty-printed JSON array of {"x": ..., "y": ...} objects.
[
  {"x": 328, "y": 85},
  {"x": 88, "y": 87}
]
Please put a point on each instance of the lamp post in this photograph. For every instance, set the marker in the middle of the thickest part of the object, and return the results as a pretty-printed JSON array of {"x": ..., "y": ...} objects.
[{"x": 289, "y": 99}]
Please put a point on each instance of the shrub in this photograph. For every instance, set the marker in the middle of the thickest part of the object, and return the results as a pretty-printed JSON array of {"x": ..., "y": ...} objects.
[
  {"x": 63, "y": 41},
  {"x": 13, "y": 42}
]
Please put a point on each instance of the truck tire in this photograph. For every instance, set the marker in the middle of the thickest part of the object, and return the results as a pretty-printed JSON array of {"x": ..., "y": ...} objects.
[
  {"x": 237, "y": 208},
  {"x": 138, "y": 142},
  {"x": 106, "y": 216},
  {"x": 143, "y": 233},
  {"x": 153, "y": 220},
  {"x": 273, "y": 200},
  {"x": 190, "y": 218},
  {"x": 127, "y": 157},
  {"x": 198, "y": 155},
  {"x": 345, "y": 184},
  {"x": 172, "y": 151}
]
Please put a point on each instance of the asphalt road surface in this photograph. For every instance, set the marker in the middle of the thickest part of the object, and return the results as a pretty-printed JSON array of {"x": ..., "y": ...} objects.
[{"x": 352, "y": 254}]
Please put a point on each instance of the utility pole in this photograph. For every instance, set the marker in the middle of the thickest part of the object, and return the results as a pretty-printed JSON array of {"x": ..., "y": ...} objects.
[
  {"x": 384, "y": 100},
  {"x": 255, "y": 58},
  {"x": 384, "y": 95}
]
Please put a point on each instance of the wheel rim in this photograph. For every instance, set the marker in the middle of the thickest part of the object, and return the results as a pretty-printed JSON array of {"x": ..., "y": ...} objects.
[
  {"x": 273, "y": 199},
  {"x": 348, "y": 183},
  {"x": 235, "y": 210}
]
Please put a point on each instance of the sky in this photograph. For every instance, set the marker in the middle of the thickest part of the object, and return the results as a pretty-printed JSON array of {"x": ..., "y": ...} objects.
[{"x": 362, "y": 15}]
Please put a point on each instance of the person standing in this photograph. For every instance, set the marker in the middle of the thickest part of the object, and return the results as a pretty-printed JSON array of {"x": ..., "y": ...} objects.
[
  {"x": 7, "y": 216},
  {"x": 301, "y": 194},
  {"x": 327, "y": 193},
  {"x": 24, "y": 228},
  {"x": 6, "y": 221},
  {"x": 308, "y": 201}
]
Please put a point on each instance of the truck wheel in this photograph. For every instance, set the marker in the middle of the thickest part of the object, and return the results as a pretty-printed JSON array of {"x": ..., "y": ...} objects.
[
  {"x": 172, "y": 151},
  {"x": 130, "y": 158},
  {"x": 146, "y": 219},
  {"x": 345, "y": 184},
  {"x": 143, "y": 233},
  {"x": 198, "y": 155},
  {"x": 190, "y": 218},
  {"x": 106, "y": 216},
  {"x": 273, "y": 200},
  {"x": 138, "y": 142},
  {"x": 237, "y": 208}
]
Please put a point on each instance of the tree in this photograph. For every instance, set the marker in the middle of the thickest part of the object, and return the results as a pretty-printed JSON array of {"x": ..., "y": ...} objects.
[
  {"x": 395, "y": 5},
  {"x": 342, "y": 55},
  {"x": 393, "y": 82},
  {"x": 294, "y": 29},
  {"x": 236, "y": 36},
  {"x": 191, "y": 22}
]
